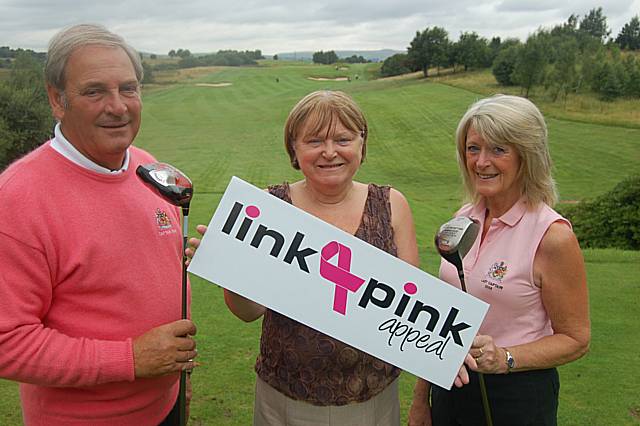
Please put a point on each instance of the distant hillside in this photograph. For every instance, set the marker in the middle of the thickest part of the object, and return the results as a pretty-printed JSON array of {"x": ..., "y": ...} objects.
[{"x": 372, "y": 55}]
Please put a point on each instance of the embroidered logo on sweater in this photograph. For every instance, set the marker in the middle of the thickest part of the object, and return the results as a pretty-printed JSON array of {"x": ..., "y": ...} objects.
[{"x": 163, "y": 220}]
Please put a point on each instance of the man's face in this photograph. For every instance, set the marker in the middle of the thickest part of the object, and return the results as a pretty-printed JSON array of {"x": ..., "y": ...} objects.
[{"x": 100, "y": 108}]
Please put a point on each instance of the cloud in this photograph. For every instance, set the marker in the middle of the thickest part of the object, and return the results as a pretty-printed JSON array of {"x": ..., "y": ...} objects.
[{"x": 279, "y": 26}]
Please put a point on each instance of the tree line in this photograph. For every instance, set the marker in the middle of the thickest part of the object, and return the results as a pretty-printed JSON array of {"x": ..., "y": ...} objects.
[
  {"x": 330, "y": 57},
  {"x": 573, "y": 57},
  {"x": 230, "y": 58},
  {"x": 7, "y": 55}
]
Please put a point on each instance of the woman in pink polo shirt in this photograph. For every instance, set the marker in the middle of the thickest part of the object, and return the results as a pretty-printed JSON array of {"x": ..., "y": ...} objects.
[{"x": 526, "y": 263}]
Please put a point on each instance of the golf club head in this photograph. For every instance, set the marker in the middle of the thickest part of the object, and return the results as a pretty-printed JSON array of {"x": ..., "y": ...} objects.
[
  {"x": 455, "y": 238},
  {"x": 169, "y": 182}
]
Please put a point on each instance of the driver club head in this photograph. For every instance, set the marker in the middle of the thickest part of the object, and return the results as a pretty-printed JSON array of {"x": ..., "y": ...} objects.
[
  {"x": 455, "y": 238},
  {"x": 169, "y": 182}
]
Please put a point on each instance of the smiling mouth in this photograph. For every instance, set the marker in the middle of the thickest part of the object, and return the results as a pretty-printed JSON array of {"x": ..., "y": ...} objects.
[
  {"x": 485, "y": 176},
  {"x": 330, "y": 166},
  {"x": 114, "y": 125}
]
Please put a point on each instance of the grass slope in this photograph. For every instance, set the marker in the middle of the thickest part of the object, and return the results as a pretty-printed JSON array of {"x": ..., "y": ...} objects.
[{"x": 212, "y": 133}]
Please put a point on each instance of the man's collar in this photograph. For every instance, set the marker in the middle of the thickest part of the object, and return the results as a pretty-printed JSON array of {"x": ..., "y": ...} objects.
[{"x": 70, "y": 152}]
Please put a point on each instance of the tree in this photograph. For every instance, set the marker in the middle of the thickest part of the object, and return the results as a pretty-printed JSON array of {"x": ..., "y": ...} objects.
[
  {"x": 355, "y": 59},
  {"x": 532, "y": 59},
  {"x": 153, "y": 56},
  {"x": 563, "y": 77},
  {"x": 591, "y": 64},
  {"x": 25, "y": 117},
  {"x": 595, "y": 24},
  {"x": 471, "y": 50},
  {"x": 505, "y": 64},
  {"x": 172, "y": 53},
  {"x": 395, "y": 65},
  {"x": 321, "y": 57},
  {"x": 569, "y": 28},
  {"x": 632, "y": 86},
  {"x": 611, "y": 79},
  {"x": 275, "y": 57},
  {"x": 428, "y": 48},
  {"x": 629, "y": 37},
  {"x": 183, "y": 53}
]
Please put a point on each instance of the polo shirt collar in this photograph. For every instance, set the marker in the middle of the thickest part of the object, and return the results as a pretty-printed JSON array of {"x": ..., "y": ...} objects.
[
  {"x": 66, "y": 149},
  {"x": 510, "y": 218}
]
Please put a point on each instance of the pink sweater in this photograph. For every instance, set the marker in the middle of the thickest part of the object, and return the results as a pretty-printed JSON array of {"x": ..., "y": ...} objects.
[
  {"x": 87, "y": 262},
  {"x": 500, "y": 272}
]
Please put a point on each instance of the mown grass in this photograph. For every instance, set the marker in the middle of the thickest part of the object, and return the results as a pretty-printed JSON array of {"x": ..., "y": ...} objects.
[{"x": 214, "y": 133}]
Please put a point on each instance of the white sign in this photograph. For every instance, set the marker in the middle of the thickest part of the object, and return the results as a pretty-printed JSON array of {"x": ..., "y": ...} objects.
[{"x": 277, "y": 255}]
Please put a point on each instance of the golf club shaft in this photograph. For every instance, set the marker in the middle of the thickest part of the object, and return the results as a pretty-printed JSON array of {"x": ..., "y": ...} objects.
[
  {"x": 485, "y": 400},
  {"x": 462, "y": 283},
  {"x": 483, "y": 387},
  {"x": 182, "y": 394}
]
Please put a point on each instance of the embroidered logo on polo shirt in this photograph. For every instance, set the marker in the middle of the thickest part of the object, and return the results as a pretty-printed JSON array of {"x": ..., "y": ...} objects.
[
  {"x": 497, "y": 271},
  {"x": 493, "y": 278}
]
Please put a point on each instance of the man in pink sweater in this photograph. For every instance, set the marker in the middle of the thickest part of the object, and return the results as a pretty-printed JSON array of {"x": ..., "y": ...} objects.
[{"x": 90, "y": 269}]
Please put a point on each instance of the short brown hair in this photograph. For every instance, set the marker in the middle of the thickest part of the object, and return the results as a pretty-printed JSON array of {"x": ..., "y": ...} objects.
[{"x": 324, "y": 107}]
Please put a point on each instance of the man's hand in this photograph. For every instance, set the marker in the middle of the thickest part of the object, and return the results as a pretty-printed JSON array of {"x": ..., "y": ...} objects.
[
  {"x": 166, "y": 349},
  {"x": 194, "y": 243}
]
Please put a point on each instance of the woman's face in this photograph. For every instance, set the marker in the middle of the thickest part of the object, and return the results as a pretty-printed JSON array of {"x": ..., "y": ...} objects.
[
  {"x": 493, "y": 169},
  {"x": 331, "y": 157}
]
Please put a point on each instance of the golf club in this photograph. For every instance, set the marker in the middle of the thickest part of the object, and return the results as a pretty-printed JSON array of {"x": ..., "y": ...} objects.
[
  {"x": 176, "y": 188},
  {"x": 453, "y": 241}
]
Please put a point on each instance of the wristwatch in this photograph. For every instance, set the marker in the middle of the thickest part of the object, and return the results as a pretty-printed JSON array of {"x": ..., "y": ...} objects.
[{"x": 511, "y": 363}]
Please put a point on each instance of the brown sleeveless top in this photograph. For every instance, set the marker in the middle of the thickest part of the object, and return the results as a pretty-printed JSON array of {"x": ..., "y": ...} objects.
[{"x": 307, "y": 365}]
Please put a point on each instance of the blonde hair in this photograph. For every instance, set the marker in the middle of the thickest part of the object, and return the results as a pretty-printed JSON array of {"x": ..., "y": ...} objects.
[
  {"x": 321, "y": 109},
  {"x": 515, "y": 122}
]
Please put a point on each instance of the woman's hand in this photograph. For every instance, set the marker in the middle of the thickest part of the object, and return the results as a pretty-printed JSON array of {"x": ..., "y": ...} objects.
[
  {"x": 194, "y": 243},
  {"x": 487, "y": 357}
]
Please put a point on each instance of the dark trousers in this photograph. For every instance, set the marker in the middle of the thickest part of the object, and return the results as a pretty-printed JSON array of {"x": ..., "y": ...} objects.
[
  {"x": 173, "y": 418},
  {"x": 516, "y": 399}
]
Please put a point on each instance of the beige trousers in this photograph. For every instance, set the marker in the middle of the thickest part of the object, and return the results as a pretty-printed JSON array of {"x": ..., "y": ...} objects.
[{"x": 273, "y": 408}]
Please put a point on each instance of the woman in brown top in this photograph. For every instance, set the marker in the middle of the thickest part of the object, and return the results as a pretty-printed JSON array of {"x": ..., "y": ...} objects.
[{"x": 306, "y": 377}]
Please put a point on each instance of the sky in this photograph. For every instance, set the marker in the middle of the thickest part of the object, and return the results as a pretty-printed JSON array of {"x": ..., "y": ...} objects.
[{"x": 157, "y": 26}]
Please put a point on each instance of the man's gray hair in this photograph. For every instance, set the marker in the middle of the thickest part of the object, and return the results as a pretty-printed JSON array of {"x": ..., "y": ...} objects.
[{"x": 63, "y": 44}]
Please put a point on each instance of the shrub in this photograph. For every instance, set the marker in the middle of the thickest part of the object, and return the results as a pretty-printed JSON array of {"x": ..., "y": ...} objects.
[
  {"x": 504, "y": 65},
  {"x": 611, "y": 220},
  {"x": 25, "y": 117},
  {"x": 395, "y": 65}
]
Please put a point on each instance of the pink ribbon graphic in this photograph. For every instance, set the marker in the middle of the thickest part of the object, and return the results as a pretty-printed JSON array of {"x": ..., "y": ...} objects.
[{"x": 339, "y": 275}]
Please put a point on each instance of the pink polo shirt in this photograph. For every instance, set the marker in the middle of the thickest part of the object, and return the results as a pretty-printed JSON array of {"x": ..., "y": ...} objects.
[{"x": 500, "y": 272}]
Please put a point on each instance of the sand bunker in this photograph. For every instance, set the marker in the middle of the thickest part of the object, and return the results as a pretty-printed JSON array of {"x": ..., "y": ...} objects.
[
  {"x": 328, "y": 79},
  {"x": 213, "y": 84}
]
